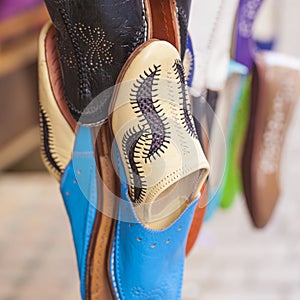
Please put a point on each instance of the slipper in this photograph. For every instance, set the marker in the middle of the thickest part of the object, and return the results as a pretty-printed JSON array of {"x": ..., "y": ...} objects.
[
  {"x": 189, "y": 67},
  {"x": 231, "y": 185},
  {"x": 58, "y": 137},
  {"x": 89, "y": 62},
  {"x": 220, "y": 133},
  {"x": 93, "y": 48},
  {"x": 275, "y": 90},
  {"x": 243, "y": 52},
  {"x": 164, "y": 167},
  {"x": 210, "y": 28},
  {"x": 211, "y": 33},
  {"x": 56, "y": 123},
  {"x": 243, "y": 44}
]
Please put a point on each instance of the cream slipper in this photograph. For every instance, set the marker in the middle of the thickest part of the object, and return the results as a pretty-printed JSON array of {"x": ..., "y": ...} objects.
[
  {"x": 155, "y": 134},
  {"x": 56, "y": 123}
]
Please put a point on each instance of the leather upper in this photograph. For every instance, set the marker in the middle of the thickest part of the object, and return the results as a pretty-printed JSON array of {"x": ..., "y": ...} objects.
[
  {"x": 95, "y": 38},
  {"x": 79, "y": 191},
  {"x": 145, "y": 263}
]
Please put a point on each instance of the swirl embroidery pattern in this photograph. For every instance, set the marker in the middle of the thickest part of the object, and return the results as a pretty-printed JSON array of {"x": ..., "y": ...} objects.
[
  {"x": 151, "y": 138},
  {"x": 186, "y": 116}
]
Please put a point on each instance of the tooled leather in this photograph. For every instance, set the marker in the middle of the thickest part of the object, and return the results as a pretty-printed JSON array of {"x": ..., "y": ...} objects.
[{"x": 95, "y": 38}]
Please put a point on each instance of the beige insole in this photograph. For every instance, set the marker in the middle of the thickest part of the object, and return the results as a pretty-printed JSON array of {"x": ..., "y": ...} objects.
[{"x": 174, "y": 205}]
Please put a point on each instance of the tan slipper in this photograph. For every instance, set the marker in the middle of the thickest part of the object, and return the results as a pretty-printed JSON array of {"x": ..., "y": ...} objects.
[
  {"x": 56, "y": 123},
  {"x": 155, "y": 134},
  {"x": 275, "y": 89}
]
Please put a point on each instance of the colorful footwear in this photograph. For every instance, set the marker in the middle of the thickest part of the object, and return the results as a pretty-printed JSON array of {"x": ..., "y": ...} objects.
[
  {"x": 57, "y": 125},
  {"x": 211, "y": 34},
  {"x": 231, "y": 185},
  {"x": 244, "y": 45},
  {"x": 243, "y": 53},
  {"x": 211, "y": 28},
  {"x": 89, "y": 184},
  {"x": 264, "y": 39},
  {"x": 275, "y": 90},
  {"x": 162, "y": 178},
  {"x": 149, "y": 127},
  {"x": 79, "y": 189},
  {"x": 220, "y": 132},
  {"x": 94, "y": 46},
  {"x": 94, "y": 40}
]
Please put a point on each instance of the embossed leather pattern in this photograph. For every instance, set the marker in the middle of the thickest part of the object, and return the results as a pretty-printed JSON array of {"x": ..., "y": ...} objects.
[{"x": 95, "y": 38}]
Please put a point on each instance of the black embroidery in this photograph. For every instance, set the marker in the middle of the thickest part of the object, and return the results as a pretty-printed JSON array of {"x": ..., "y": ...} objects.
[
  {"x": 138, "y": 39},
  {"x": 187, "y": 117},
  {"x": 154, "y": 121},
  {"x": 131, "y": 148},
  {"x": 46, "y": 142},
  {"x": 183, "y": 27},
  {"x": 153, "y": 134}
]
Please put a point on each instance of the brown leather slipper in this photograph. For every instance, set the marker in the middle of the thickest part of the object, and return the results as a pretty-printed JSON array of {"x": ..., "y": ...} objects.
[{"x": 275, "y": 89}]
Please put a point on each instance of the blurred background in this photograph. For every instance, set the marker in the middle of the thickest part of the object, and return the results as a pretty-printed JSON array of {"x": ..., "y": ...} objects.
[{"x": 231, "y": 260}]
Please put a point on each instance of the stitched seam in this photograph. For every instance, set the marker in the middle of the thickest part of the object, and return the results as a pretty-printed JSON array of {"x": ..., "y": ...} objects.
[
  {"x": 186, "y": 117},
  {"x": 47, "y": 143},
  {"x": 91, "y": 211},
  {"x": 117, "y": 259}
]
